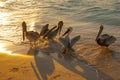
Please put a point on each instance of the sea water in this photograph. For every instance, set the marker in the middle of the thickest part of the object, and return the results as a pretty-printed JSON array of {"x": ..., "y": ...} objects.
[{"x": 85, "y": 16}]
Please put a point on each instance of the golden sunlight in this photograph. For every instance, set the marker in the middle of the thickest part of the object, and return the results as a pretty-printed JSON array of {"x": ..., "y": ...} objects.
[
  {"x": 2, "y": 4},
  {"x": 3, "y": 50},
  {"x": 4, "y": 18},
  {"x": 4, "y": 15},
  {"x": 32, "y": 28}
]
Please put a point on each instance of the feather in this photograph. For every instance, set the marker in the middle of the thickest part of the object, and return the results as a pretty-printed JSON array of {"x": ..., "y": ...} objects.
[
  {"x": 110, "y": 40},
  {"x": 44, "y": 30},
  {"x": 104, "y": 36},
  {"x": 63, "y": 41},
  {"x": 74, "y": 40}
]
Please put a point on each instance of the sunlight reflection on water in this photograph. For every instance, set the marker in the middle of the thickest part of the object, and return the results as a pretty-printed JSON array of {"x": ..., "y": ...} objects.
[
  {"x": 77, "y": 13},
  {"x": 3, "y": 50}
]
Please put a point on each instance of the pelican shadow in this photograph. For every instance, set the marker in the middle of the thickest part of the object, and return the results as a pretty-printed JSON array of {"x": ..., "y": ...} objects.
[
  {"x": 45, "y": 65},
  {"x": 110, "y": 53},
  {"x": 116, "y": 55},
  {"x": 71, "y": 62}
]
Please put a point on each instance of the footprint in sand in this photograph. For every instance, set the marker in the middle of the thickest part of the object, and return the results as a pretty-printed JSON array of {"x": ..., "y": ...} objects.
[
  {"x": 10, "y": 78},
  {"x": 14, "y": 69},
  {"x": 25, "y": 69},
  {"x": 56, "y": 76}
]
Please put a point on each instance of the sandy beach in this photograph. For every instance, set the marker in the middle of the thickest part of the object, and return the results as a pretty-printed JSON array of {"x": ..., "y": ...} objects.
[
  {"x": 44, "y": 66},
  {"x": 18, "y": 67}
]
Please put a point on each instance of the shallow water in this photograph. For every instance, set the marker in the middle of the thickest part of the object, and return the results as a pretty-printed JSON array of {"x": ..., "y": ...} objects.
[{"x": 84, "y": 15}]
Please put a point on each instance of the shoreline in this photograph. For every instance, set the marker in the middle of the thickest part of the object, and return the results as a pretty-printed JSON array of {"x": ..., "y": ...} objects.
[{"x": 18, "y": 66}]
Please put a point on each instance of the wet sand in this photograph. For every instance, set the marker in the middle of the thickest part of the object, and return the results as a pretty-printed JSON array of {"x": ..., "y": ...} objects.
[{"x": 45, "y": 66}]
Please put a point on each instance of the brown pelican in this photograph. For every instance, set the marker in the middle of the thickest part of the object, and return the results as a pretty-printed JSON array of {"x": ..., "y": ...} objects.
[
  {"x": 104, "y": 39},
  {"x": 30, "y": 35},
  {"x": 52, "y": 33},
  {"x": 67, "y": 42}
]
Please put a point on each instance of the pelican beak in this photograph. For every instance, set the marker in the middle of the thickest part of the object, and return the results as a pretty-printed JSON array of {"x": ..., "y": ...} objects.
[
  {"x": 100, "y": 31},
  {"x": 101, "y": 27},
  {"x": 60, "y": 25},
  {"x": 23, "y": 29}
]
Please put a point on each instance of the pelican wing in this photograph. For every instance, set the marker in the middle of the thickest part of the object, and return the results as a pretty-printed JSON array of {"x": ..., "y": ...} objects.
[
  {"x": 64, "y": 41},
  {"x": 44, "y": 30},
  {"x": 32, "y": 36},
  {"x": 67, "y": 38},
  {"x": 50, "y": 33},
  {"x": 74, "y": 40},
  {"x": 104, "y": 36},
  {"x": 107, "y": 39},
  {"x": 110, "y": 40}
]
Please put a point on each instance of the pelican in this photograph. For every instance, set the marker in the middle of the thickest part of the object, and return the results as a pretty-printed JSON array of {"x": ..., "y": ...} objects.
[
  {"x": 104, "y": 39},
  {"x": 30, "y": 35},
  {"x": 67, "y": 42},
  {"x": 52, "y": 33}
]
